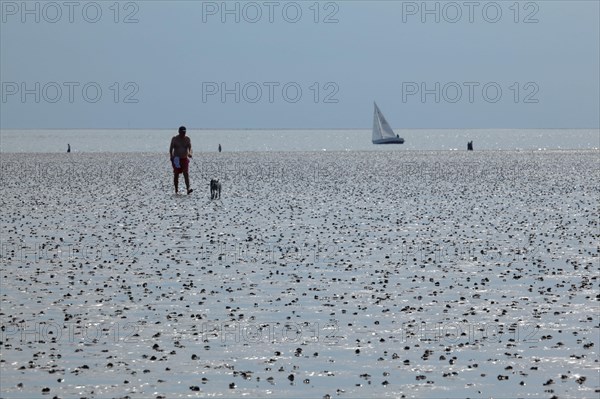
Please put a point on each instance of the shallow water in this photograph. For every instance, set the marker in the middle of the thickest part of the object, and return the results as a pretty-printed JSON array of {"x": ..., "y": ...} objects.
[
  {"x": 350, "y": 274},
  {"x": 207, "y": 140}
]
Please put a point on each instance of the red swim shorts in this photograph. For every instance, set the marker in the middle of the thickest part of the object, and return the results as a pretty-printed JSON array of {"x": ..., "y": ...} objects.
[{"x": 184, "y": 164}]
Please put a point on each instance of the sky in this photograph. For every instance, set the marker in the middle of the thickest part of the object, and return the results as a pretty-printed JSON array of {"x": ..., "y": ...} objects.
[{"x": 299, "y": 64}]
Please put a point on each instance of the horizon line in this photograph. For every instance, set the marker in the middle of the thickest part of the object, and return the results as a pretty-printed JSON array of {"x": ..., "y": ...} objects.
[{"x": 308, "y": 128}]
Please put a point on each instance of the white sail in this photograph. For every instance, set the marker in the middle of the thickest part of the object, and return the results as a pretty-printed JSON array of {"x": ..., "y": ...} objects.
[{"x": 382, "y": 131}]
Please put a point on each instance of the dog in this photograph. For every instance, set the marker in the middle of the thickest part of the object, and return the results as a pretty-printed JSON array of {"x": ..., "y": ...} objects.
[{"x": 215, "y": 189}]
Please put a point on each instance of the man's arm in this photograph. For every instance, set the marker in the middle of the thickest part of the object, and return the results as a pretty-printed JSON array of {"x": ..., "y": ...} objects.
[
  {"x": 189, "y": 147},
  {"x": 171, "y": 148}
]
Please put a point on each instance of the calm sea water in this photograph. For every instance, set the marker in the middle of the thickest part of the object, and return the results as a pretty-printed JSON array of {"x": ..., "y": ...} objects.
[{"x": 15, "y": 141}]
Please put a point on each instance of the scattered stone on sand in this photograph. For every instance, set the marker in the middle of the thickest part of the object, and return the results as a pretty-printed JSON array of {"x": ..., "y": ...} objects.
[{"x": 364, "y": 274}]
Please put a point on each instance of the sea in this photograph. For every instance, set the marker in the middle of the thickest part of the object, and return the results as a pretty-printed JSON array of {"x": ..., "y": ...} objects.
[{"x": 284, "y": 140}]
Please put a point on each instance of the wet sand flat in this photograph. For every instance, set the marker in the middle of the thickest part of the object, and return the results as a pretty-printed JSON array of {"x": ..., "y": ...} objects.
[{"x": 319, "y": 274}]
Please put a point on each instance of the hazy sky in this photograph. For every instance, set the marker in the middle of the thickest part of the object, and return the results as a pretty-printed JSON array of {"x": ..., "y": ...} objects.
[{"x": 302, "y": 64}]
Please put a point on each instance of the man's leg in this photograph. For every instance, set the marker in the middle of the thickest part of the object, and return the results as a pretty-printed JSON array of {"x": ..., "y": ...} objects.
[
  {"x": 186, "y": 177},
  {"x": 176, "y": 182}
]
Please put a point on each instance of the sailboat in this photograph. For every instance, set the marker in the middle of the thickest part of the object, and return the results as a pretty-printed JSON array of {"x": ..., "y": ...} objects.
[{"x": 382, "y": 132}]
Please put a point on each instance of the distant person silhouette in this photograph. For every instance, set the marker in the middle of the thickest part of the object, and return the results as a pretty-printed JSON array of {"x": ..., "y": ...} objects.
[
  {"x": 470, "y": 146},
  {"x": 219, "y": 147},
  {"x": 68, "y": 147}
]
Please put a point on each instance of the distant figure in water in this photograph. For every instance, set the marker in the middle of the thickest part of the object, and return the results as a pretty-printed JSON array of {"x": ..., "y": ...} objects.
[
  {"x": 180, "y": 151},
  {"x": 470, "y": 146},
  {"x": 68, "y": 147},
  {"x": 219, "y": 147}
]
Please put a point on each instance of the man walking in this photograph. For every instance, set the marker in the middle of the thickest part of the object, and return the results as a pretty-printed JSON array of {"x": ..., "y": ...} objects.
[{"x": 180, "y": 151}]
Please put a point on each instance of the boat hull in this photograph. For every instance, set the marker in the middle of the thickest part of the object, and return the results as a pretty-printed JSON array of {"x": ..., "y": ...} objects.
[{"x": 390, "y": 140}]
